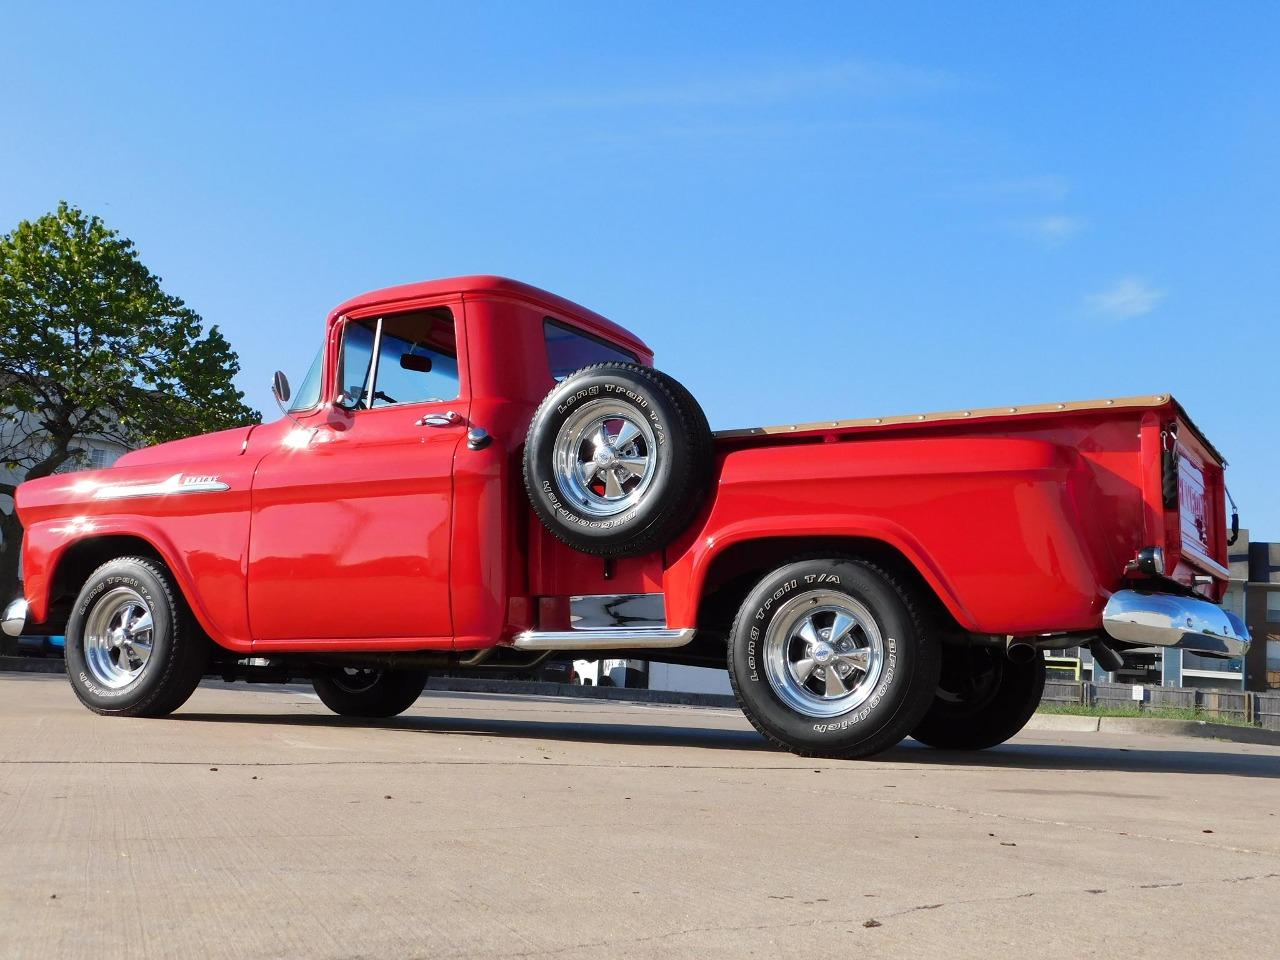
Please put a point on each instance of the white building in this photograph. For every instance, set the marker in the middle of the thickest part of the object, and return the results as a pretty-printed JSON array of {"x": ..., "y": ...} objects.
[{"x": 22, "y": 442}]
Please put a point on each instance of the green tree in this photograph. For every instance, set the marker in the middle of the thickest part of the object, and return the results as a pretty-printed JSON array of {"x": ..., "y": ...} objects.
[{"x": 92, "y": 347}]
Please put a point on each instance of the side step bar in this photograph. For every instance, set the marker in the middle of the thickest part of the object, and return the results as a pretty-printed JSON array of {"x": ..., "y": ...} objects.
[{"x": 606, "y": 638}]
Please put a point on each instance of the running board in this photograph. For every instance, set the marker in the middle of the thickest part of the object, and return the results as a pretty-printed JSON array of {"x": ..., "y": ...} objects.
[{"x": 607, "y": 638}]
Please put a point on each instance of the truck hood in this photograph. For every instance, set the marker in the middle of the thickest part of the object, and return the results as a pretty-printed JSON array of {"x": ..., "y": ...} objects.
[{"x": 205, "y": 447}]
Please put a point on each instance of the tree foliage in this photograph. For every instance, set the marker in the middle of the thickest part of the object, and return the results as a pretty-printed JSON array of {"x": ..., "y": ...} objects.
[{"x": 91, "y": 346}]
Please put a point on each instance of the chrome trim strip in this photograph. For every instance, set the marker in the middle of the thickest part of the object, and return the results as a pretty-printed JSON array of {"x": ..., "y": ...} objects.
[
  {"x": 1168, "y": 620},
  {"x": 162, "y": 488},
  {"x": 611, "y": 638},
  {"x": 15, "y": 617},
  {"x": 373, "y": 363}
]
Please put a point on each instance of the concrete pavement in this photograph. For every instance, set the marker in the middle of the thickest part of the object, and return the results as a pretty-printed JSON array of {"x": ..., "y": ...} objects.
[{"x": 256, "y": 824}]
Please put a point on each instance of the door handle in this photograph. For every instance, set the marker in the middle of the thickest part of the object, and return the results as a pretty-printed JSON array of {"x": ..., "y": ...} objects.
[{"x": 446, "y": 419}]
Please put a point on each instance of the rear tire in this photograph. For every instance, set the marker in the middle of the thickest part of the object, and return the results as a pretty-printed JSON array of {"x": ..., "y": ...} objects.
[
  {"x": 370, "y": 694},
  {"x": 133, "y": 648},
  {"x": 983, "y": 699},
  {"x": 810, "y": 618}
]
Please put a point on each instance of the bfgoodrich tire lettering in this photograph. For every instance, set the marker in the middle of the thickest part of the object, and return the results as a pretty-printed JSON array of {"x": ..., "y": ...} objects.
[
  {"x": 179, "y": 650},
  {"x": 886, "y": 668},
  {"x": 617, "y": 460}
]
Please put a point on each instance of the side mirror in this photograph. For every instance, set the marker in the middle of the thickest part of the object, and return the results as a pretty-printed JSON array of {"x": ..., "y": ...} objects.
[{"x": 280, "y": 389}]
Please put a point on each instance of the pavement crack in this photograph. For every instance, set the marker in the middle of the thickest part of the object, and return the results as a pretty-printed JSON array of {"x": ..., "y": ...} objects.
[
  {"x": 1208, "y": 881},
  {"x": 1070, "y": 825},
  {"x": 1046, "y": 822},
  {"x": 870, "y": 922}
]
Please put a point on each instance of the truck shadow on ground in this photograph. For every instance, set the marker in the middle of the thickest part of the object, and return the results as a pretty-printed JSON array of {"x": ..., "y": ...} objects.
[{"x": 1011, "y": 756}]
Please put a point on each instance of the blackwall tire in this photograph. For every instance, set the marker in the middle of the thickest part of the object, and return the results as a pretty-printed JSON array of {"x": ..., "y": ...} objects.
[
  {"x": 618, "y": 460},
  {"x": 983, "y": 699},
  {"x": 812, "y": 617},
  {"x": 132, "y": 648},
  {"x": 370, "y": 694}
]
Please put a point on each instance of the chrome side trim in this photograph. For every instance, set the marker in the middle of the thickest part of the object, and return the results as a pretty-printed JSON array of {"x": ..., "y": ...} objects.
[
  {"x": 175, "y": 484},
  {"x": 1168, "y": 620},
  {"x": 611, "y": 638},
  {"x": 15, "y": 618}
]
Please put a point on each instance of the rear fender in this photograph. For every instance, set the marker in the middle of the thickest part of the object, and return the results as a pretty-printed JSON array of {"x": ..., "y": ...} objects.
[
  {"x": 1012, "y": 534},
  {"x": 686, "y": 580}
]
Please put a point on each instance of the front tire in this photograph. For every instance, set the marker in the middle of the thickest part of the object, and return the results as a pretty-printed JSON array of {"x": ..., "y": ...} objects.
[
  {"x": 132, "y": 648},
  {"x": 370, "y": 694},
  {"x": 983, "y": 699},
  {"x": 833, "y": 658}
]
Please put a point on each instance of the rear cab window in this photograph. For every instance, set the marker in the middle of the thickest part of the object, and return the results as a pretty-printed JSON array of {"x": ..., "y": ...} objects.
[{"x": 570, "y": 349}]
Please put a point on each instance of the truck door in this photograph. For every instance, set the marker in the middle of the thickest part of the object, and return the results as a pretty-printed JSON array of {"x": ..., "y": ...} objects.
[{"x": 350, "y": 534}]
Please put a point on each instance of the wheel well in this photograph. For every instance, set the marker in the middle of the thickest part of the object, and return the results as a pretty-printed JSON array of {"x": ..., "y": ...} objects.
[
  {"x": 82, "y": 558},
  {"x": 735, "y": 571}
]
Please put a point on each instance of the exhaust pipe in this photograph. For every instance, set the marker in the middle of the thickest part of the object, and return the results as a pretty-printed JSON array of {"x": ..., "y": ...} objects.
[
  {"x": 1019, "y": 651},
  {"x": 1105, "y": 656}
]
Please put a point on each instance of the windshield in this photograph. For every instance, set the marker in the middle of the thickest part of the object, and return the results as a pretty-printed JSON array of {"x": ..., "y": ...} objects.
[{"x": 308, "y": 394}]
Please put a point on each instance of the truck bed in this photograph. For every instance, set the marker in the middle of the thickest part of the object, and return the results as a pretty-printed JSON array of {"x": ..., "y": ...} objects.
[{"x": 1150, "y": 401}]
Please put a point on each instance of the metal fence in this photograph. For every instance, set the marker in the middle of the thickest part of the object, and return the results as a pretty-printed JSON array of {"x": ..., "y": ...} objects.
[{"x": 1260, "y": 709}]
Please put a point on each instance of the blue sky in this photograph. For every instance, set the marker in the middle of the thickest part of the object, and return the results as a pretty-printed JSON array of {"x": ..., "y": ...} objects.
[{"x": 809, "y": 211}]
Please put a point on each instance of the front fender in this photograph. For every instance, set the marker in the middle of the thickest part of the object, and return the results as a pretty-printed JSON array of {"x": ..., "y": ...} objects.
[
  {"x": 211, "y": 579},
  {"x": 194, "y": 514}
]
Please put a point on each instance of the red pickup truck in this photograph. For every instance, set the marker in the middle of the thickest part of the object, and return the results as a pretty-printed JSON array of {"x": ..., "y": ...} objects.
[{"x": 478, "y": 473}]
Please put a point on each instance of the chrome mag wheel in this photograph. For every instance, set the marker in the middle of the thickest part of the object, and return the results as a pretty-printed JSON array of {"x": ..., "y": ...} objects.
[
  {"x": 118, "y": 637},
  {"x": 605, "y": 458},
  {"x": 823, "y": 653}
]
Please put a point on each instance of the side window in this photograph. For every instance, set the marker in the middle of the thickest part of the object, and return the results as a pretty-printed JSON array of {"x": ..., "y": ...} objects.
[
  {"x": 308, "y": 394},
  {"x": 355, "y": 360},
  {"x": 569, "y": 349},
  {"x": 417, "y": 358},
  {"x": 416, "y": 362}
]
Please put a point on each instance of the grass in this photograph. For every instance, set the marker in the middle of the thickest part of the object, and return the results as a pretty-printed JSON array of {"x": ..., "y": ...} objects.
[{"x": 1154, "y": 713}]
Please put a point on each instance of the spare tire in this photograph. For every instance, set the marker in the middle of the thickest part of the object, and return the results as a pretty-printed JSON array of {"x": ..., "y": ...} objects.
[{"x": 618, "y": 459}]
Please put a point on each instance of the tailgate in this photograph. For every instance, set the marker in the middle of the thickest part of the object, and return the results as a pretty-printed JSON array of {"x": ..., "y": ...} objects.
[{"x": 1194, "y": 497}]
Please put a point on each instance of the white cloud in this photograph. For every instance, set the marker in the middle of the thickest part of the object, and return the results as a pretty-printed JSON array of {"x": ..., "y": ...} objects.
[
  {"x": 1045, "y": 188},
  {"x": 1127, "y": 297},
  {"x": 847, "y": 78},
  {"x": 1052, "y": 231}
]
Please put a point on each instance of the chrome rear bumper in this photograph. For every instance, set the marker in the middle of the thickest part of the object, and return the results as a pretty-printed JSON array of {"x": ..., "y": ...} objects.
[
  {"x": 1168, "y": 620},
  {"x": 15, "y": 618}
]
